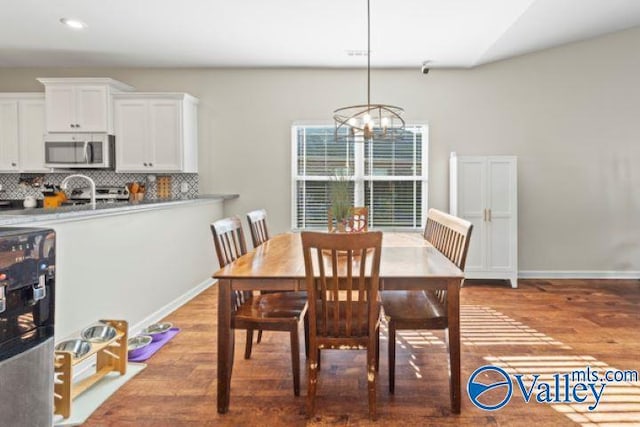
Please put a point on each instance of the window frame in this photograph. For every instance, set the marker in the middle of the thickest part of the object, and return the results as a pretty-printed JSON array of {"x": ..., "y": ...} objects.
[{"x": 360, "y": 178}]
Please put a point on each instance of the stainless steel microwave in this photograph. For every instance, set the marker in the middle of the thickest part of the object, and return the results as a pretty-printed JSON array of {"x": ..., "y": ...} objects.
[{"x": 82, "y": 151}]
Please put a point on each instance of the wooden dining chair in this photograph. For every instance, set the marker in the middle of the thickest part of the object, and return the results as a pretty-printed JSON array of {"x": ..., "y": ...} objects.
[
  {"x": 358, "y": 219},
  {"x": 426, "y": 309},
  {"x": 281, "y": 311},
  {"x": 258, "y": 225},
  {"x": 342, "y": 276},
  {"x": 257, "y": 221}
]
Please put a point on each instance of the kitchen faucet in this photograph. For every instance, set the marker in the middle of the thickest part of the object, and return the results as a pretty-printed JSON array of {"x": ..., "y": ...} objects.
[{"x": 92, "y": 184}]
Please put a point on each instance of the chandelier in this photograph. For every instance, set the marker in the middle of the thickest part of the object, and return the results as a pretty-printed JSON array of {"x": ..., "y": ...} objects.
[{"x": 369, "y": 121}]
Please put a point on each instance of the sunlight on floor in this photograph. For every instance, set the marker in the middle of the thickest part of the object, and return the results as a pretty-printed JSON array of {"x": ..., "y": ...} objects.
[
  {"x": 619, "y": 404},
  {"x": 480, "y": 326}
]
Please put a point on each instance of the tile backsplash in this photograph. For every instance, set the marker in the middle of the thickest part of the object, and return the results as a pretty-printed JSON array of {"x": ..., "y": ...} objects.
[{"x": 13, "y": 189}]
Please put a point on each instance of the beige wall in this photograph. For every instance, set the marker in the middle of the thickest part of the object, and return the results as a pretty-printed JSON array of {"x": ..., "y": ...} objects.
[{"x": 571, "y": 115}]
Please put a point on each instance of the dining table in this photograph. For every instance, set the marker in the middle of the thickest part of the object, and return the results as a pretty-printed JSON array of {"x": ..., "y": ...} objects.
[{"x": 408, "y": 262}]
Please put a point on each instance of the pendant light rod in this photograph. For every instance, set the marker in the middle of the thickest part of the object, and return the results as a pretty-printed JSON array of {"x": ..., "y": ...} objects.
[{"x": 368, "y": 52}]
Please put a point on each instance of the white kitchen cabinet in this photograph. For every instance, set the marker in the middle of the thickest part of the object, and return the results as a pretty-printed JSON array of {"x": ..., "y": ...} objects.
[
  {"x": 22, "y": 121},
  {"x": 80, "y": 104},
  {"x": 483, "y": 190},
  {"x": 156, "y": 132}
]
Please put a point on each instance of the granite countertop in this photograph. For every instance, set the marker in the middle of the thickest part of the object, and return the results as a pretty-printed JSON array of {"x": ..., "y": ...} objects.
[{"x": 22, "y": 216}]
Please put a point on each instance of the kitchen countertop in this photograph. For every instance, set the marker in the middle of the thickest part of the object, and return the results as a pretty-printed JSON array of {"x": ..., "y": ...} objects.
[{"x": 24, "y": 216}]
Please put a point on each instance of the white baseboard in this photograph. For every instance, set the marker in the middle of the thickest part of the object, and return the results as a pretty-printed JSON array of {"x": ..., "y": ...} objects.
[
  {"x": 580, "y": 274},
  {"x": 85, "y": 367},
  {"x": 163, "y": 312}
]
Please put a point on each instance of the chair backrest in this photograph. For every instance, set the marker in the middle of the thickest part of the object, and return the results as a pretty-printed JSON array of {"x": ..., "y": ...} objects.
[
  {"x": 342, "y": 276},
  {"x": 449, "y": 234},
  {"x": 258, "y": 225},
  {"x": 228, "y": 240},
  {"x": 359, "y": 219}
]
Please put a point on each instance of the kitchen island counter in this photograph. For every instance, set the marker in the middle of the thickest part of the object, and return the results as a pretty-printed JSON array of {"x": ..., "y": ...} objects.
[
  {"x": 74, "y": 213},
  {"x": 136, "y": 262}
]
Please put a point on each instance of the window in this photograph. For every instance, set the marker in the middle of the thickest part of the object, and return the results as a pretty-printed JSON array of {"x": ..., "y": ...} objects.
[{"x": 389, "y": 177}]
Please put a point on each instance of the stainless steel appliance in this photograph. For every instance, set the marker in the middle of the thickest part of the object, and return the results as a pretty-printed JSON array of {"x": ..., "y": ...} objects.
[
  {"x": 27, "y": 305},
  {"x": 79, "y": 150}
]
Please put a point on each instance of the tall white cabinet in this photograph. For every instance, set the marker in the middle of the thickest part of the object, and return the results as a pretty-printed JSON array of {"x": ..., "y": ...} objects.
[
  {"x": 483, "y": 190},
  {"x": 22, "y": 128},
  {"x": 156, "y": 132}
]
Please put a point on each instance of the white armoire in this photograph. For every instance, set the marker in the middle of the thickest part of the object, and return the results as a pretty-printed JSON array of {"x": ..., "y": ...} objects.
[{"x": 483, "y": 190}]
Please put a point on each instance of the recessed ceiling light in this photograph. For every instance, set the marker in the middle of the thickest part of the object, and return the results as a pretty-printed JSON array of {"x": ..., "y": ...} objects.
[{"x": 73, "y": 23}]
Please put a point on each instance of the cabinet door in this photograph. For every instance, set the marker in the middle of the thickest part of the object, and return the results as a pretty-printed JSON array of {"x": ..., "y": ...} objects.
[
  {"x": 92, "y": 105},
  {"x": 32, "y": 130},
  {"x": 61, "y": 108},
  {"x": 9, "y": 136},
  {"x": 131, "y": 126},
  {"x": 165, "y": 135},
  {"x": 501, "y": 195},
  {"x": 471, "y": 206}
]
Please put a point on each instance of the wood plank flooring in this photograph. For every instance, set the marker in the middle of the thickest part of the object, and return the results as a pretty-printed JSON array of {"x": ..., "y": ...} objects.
[{"x": 542, "y": 323}]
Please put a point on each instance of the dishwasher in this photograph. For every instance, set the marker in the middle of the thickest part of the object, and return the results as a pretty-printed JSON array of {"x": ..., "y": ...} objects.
[{"x": 27, "y": 306}]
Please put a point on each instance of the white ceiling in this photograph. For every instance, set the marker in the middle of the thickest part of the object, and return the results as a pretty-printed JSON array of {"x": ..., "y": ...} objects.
[{"x": 296, "y": 33}]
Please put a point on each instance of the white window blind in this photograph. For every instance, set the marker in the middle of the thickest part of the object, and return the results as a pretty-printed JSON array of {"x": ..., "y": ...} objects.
[{"x": 389, "y": 177}]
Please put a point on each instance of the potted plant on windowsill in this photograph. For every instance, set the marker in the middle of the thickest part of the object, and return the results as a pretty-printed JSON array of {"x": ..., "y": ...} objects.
[{"x": 340, "y": 201}]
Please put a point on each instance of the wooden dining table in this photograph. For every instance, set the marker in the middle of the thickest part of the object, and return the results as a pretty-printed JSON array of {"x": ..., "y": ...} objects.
[{"x": 408, "y": 262}]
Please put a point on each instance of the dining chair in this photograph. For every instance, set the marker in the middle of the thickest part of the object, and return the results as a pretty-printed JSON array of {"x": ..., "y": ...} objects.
[
  {"x": 257, "y": 220},
  {"x": 281, "y": 311},
  {"x": 342, "y": 277},
  {"x": 417, "y": 310},
  {"x": 357, "y": 221}
]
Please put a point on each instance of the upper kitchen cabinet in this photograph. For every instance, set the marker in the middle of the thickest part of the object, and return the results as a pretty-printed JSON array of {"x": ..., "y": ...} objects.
[
  {"x": 80, "y": 104},
  {"x": 156, "y": 132},
  {"x": 22, "y": 118}
]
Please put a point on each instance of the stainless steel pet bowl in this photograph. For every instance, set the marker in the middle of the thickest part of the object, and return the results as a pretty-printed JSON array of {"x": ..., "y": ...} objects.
[
  {"x": 136, "y": 345},
  {"x": 99, "y": 333},
  {"x": 157, "y": 330},
  {"x": 77, "y": 347}
]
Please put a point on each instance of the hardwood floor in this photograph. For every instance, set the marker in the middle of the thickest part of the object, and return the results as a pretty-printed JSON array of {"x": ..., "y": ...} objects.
[{"x": 560, "y": 324}]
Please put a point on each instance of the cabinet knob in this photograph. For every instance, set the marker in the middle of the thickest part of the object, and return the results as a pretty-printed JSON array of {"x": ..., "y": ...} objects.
[
  {"x": 77, "y": 125},
  {"x": 72, "y": 125},
  {"x": 150, "y": 164},
  {"x": 145, "y": 164},
  {"x": 13, "y": 164}
]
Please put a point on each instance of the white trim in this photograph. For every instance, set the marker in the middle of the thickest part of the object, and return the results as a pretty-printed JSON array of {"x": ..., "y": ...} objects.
[
  {"x": 578, "y": 274},
  {"x": 81, "y": 370}
]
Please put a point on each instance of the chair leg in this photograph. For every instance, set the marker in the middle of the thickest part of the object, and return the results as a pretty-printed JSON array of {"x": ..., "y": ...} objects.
[
  {"x": 312, "y": 375},
  {"x": 392, "y": 357},
  {"x": 306, "y": 335},
  {"x": 295, "y": 359},
  {"x": 259, "y": 336},
  {"x": 371, "y": 378},
  {"x": 247, "y": 348},
  {"x": 378, "y": 349}
]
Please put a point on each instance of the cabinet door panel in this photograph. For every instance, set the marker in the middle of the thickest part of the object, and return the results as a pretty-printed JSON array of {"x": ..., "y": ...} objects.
[
  {"x": 131, "y": 135},
  {"x": 32, "y": 129},
  {"x": 166, "y": 130},
  {"x": 61, "y": 108},
  {"x": 499, "y": 244},
  {"x": 9, "y": 136},
  {"x": 91, "y": 108},
  {"x": 500, "y": 185}
]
